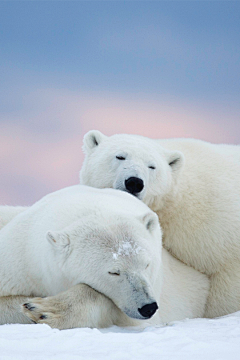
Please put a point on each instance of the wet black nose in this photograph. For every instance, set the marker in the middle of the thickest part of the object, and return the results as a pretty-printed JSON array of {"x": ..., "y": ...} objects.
[
  {"x": 148, "y": 310},
  {"x": 134, "y": 185}
]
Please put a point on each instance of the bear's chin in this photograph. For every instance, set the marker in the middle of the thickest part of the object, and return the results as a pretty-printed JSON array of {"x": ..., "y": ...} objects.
[
  {"x": 137, "y": 195},
  {"x": 136, "y": 315}
]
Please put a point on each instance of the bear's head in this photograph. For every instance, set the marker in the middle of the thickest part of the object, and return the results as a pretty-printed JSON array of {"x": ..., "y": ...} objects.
[
  {"x": 116, "y": 254},
  {"x": 132, "y": 163}
]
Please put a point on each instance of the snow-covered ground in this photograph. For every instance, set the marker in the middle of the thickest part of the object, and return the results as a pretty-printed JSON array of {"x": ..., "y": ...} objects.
[{"x": 198, "y": 339}]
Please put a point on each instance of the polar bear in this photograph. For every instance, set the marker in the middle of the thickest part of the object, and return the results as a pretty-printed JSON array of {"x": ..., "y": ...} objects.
[
  {"x": 96, "y": 255},
  {"x": 194, "y": 187}
]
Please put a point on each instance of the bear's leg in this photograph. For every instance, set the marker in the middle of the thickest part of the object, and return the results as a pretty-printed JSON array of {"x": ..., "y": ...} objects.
[
  {"x": 224, "y": 295},
  {"x": 10, "y": 310},
  {"x": 79, "y": 306}
]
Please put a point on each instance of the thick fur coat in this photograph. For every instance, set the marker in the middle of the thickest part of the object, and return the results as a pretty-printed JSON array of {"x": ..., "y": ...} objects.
[
  {"x": 96, "y": 256},
  {"x": 194, "y": 188}
]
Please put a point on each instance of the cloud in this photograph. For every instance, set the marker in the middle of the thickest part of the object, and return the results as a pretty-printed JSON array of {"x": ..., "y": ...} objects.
[{"x": 40, "y": 142}]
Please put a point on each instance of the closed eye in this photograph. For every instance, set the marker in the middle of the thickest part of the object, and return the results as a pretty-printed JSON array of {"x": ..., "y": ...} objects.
[
  {"x": 120, "y": 157},
  {"x": 152, "y": 167},
  {"x": 114, "y": 273}
]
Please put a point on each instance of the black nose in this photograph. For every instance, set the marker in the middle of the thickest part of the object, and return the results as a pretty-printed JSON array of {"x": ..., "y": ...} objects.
[
  {"x": 148, "y": 310},
  {"x": 134, "y": 185}
]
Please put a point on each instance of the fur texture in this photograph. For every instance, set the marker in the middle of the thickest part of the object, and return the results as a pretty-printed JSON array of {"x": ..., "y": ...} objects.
[
  {"x": 96, "y": 256},
  {"x": 194, "y": 188}
]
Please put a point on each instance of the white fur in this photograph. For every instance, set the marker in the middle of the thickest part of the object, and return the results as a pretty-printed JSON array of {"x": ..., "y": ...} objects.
[
  {"x": 97, "y": 255},
  {"x": 195, "y": 191},
  {"x": 7, "y": 213}
]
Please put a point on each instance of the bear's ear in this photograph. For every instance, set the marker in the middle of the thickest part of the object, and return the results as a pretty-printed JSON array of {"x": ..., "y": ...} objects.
[
  {"x": 91, "y": 140},
  {"x": 175, "y": 160},
  {"x": 58, "y": 239},
  {"x": 150, "y": 220}
]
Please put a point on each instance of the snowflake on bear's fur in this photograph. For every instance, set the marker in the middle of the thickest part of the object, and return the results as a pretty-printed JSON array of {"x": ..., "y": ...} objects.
[{"x": 126, "y": 249}]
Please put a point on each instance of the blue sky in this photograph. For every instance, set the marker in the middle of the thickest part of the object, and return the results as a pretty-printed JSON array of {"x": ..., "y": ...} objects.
[
  {"x": 186, "y": 48},
  {"x": 155, "y": 68}
]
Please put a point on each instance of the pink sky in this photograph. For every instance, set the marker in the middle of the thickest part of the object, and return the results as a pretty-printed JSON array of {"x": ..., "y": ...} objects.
[{"x": 40, "y": 144}]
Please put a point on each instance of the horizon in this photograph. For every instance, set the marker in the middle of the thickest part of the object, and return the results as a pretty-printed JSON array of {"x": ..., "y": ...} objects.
[{"x": 157, "y": 69}]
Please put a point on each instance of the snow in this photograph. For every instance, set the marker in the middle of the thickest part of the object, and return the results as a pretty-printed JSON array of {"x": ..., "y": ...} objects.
[
  {"x": 197, "y": 339},
  {"x": 126, "y": 249}
]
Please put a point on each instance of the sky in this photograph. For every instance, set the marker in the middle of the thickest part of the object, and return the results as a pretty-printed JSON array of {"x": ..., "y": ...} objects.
[{"x": 156, "y": 68}]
